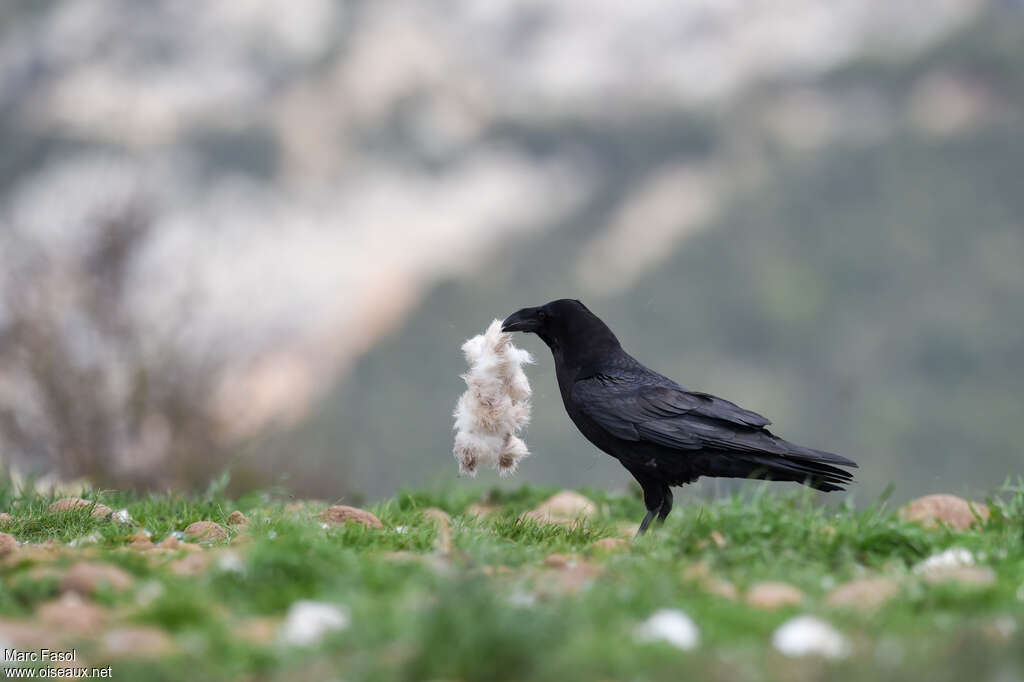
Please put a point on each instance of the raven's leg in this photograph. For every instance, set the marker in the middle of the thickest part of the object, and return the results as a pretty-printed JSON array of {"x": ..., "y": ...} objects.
[
  {"x": 666, "y": 504},
  {"x": 654, "y": 499}
]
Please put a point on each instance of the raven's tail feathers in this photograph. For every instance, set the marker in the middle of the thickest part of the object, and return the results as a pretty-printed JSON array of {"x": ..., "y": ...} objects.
[{"x": 817, "y": 471}]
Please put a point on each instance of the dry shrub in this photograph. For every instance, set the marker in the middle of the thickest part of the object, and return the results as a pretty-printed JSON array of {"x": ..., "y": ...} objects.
[{"x": 85, "y": 389}]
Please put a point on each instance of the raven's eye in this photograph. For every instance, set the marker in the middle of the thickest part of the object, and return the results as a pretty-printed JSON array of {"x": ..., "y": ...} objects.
[{"x": 542, "y": 315}]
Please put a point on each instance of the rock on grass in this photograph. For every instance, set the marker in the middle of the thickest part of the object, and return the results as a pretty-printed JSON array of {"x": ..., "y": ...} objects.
[
  {"x": 566, "y": 574},
  {"x": 566, "y": 507},
  {"x": 5, "y": 519},
  {"x": 137, "y": 642},
  {"x": 774, "y": 595},
  {"x": 237, "y": 518},
  {"x": 610, "y": 544},
  {"x": 339, "y": 514},
  {"x": 700, "y": 573},
  {"x": 86, "y": 578},
  {"x": 192, "y": 564},
  {"x": 206, "y": 532},
  {"x": 100, "y": 511},
  {"x": 8, "y": 544},
  {"x": 443, "y": 542},
  {"x": 481, "y": 510},
  {"x": 932, "y": 510},
  {"x": 141, "y": 541},
  {"x": 71, "y": 613},
  {"x": 965, "y": 576},
  {"x": 866, "y": 594}
]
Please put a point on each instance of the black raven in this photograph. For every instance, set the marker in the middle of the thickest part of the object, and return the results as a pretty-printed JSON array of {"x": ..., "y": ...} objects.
[{"x": 662, "y": 433}]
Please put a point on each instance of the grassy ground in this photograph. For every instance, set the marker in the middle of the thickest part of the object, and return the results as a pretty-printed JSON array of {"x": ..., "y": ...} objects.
[{"x": 493, "y": 608}]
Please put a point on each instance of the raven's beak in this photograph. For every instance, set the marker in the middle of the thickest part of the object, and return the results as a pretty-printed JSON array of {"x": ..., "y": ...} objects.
[{"x": 525, "y": 320}]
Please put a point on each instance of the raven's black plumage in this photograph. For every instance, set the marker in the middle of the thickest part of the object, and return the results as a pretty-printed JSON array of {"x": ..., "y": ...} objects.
[{"x": 662, "y": 433}]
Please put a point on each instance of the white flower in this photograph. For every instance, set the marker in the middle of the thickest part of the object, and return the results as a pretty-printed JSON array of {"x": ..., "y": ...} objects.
[
  {"x": 149, "y": 592},
  {"x": 308, "y": 621},
  {"x": 90, "y": 539},
  {"x": 230, "y": 562},
  {"x": 809, "y": 636},
  {"x": 954, "y": 557},
  {"x": 671, "y": 626}
]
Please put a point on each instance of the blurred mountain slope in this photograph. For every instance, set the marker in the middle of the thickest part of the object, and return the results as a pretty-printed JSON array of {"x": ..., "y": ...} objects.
[{"x": 860, "y": 283}]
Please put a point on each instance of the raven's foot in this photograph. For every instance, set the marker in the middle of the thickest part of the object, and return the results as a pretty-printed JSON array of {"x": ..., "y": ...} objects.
[{"x": 645, "y": 523}]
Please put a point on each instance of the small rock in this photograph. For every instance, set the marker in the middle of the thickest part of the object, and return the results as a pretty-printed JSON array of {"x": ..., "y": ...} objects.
[
  {"x": 443, "y": 542},
  {"x": 122, "y": 516},
  {"x": 170, "y": 542},
  {"x": 25, "y": 635},
  {"x": 774, "y": 595},
  {"x": 700, "y": 573},
  {"x": 932, "y": 510},
  {"x": 967, "y": 576},
  {"x": 85, "y": 578},
  {"x": 5, "y": 519},
  {"x": 308, "y": 622},
  {"x": 237, "y": 518},
  {"x": 44, "y": 572},
  {"x": 101, "y": 511},
  {"x": 567, "y": 574},
  {"x": 7, "y": 544},
  {"x": 137, "y": 642},
  {"x": 627, "y": 530},
  {"x": 340, "y": 513},
  {"x": 866, "y": 594},
  {"x": 566, "y": 507},
  {"x": 193, "y": 564},
  {"x": 206, "y": 532},
  {"x": 72, "y": 613},
  {"x": 713, "y": 537},
  {"x": 720, "y": 588},
  {"x": 809, "y": 636},
  {"x": 257, "y": 630},
  {"x": 561, "y": 560},
  {"x": 141, "y": 541},
  {"x": 481, "y": 510},
  {"x": 671, "y": 626},
  {"x": 610, "y": 544}
]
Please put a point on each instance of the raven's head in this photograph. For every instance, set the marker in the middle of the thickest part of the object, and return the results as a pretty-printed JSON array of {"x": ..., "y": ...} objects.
[{"x": 561, "y": 324}]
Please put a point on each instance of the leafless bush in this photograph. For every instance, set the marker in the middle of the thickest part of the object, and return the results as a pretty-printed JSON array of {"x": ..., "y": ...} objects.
[{"x": 85, "y": 391}]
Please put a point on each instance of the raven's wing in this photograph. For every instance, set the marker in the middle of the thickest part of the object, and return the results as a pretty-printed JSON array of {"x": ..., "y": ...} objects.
[{"x": 643, "y": 406}]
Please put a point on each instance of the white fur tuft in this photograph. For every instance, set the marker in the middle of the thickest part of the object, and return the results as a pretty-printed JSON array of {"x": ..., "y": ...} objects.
[{"x": 495, "y": 406}]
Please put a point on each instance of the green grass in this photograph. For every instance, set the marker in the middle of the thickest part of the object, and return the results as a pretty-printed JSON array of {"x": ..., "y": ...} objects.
[{"x": 492, "y": 611}]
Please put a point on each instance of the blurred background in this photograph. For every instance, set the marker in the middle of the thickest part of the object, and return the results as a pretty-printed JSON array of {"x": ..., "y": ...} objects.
[{"x": 253, "y": 235}]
